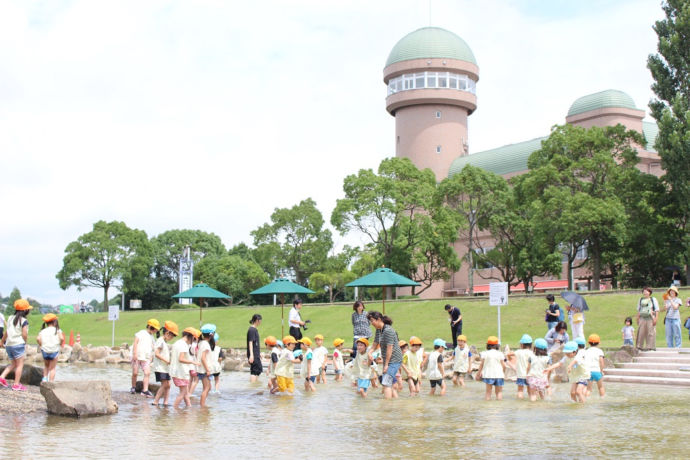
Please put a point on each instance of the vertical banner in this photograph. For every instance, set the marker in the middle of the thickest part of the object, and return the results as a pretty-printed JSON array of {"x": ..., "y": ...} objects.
[{"x": 186, "y": 274}]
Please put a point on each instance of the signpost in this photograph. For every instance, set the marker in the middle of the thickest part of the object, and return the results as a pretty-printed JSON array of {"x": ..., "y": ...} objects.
[
  {"x": 498, "y": 295},
  {"x": 113, "y": 315}
]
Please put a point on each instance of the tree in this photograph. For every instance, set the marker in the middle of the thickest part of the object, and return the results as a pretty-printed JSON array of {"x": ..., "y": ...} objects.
[
  {"x": 295, "y": 239},
  {"x": 335, "y": 274},
  {"x": 573, "y": 177},
  {"x": 111, "y": 252},
  {"x": 670, "y": 69},
  {"x": 469, "y": 194},
  {"x": 169, "y": 245},
  {"x": 14, "y": 296},
  {"x": 231, "y": 275},
  {"x": 395, "y": 210}
]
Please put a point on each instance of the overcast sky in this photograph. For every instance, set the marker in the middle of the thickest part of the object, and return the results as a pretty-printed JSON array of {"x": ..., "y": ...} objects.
[{"x": 209, "y": 114}]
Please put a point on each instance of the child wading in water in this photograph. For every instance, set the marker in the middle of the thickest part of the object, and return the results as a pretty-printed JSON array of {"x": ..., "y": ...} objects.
[
  {"x": 338, "y": 364},
  {"x": 204, "y": 355},
  {"x": 461, "y": 361},
  {"x": 594, "y": 362},
  {"x": 50, "y": 339},
  {"x": 361, "y": 369},
  {"x": 415, "y": 357},
  {"x": 308, "y": 370},
  {"x": 14, "y": 340},
  {"x": 537, "y": 381},
  {"x": 161, "y": 361},
  {"x": 492, "y": 368},
  {"x": 181, "y": 363},
  {"x": 285, "y": 368},
  {"x": 142, "y": 354},
  {"x": 272, "y": 344},
  {"x": 217, "y": 356},
  {"x": 320, "y": 358},
  {"x": 436, "y": 372},
  {"x": 523, "y": 356},
  {"x": 577, "y": 371}
]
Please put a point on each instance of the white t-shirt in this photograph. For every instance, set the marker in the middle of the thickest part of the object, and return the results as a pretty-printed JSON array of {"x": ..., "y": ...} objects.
[
  {"x": 158, "y": 365},
  {"x": 50, "y": 340},
  {"x": 277, "y": 351},
  {"x": 432, "y": 370},
  {"x": 523, "y": 355},
  {"x": 293, "y": 317},
  {"x": 177, "y": 369},
  {"x": 672, "y": 313},
  {"x": 2, "y": 320},
  {"x": 579, "y": 372},
  {"x": 214, "y": 357},
  {"x": 320, "y": 356},
  {"x": 492, "y": 369},
  {"x": 338, "y": 359},
  {"x": 14, "y": 333},
  {"x": 537, "y": 366},
  {"x": 461, "y": 359},
  {"x": 204, "y": 346},
  {"x": 592, "y": 355},
  {"x": 285, "y": 366},
  {"x": 361, "y": 368},
  {"x": 145, "y": 345},
  {"x": 628, "y": 332}
]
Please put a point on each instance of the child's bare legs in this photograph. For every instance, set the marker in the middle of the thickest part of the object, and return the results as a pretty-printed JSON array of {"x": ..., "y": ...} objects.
[
  {"x": 432, "y": 391},
  {"x": 461, "y": 379},
  {"x": 581, "y": 392},
  {"x": 411, "y": 386},
  {"x": 362, "y": 392},
  {"x": 46, "y": 369},
  {"x": 499, "y": 392},
  {"x": 166, "y": 391},
  {"x": 159, "y": 393},
  {"x": 487, "y": 393},
  {"x": 52, "y": 369},
  {"x": 602, "y": 390},
  {"x": 521, "y": 392},
  {"x": 573, "y": 392},
  {"x": 455, "y": 379},
  {"x": 216, "y": 382},
  {"x": 182, "y": 395},
  {"x": 206, "y": 384},
  {"x": 443, "y": 388},
  {"x": 532, "y": 394}
]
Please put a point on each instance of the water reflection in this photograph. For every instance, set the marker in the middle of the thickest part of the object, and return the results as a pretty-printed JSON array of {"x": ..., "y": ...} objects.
[{"x": 245, "y": 421}]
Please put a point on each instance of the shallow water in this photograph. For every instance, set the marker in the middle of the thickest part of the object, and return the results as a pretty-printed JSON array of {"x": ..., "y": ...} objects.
[{"x": 246, "y": 421}]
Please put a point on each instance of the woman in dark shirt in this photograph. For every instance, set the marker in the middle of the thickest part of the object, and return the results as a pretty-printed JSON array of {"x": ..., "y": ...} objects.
[
  {"x": 455, "y": 322},
  {"x": 253, "y": 349}
]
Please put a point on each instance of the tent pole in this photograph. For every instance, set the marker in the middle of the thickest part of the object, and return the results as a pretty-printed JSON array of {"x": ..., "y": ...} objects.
[
  {"x": 384, "y": 300},
  {"x": 282, "y": 316},
  {"x": 201, "y": 303}
]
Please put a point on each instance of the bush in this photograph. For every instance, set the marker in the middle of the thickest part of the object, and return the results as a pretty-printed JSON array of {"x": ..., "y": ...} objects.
[{"x": 179, "y": 306}]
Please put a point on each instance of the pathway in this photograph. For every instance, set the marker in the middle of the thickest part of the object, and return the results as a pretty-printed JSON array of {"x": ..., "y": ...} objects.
[{"x": 665, "y": 366}]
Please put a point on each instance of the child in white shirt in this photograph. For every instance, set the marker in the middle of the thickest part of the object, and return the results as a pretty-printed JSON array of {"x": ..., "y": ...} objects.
[
  {"x": 594, "y": 362},
  {"x": 492, "y": 369},
  {"x": 461, "y": 361}
]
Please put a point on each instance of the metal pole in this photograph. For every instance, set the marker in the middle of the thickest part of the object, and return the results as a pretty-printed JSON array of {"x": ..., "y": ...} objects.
[
  {"x": 113, "y": 340},
  {"x": 499, "y": 324},
  {"x": 122, "y": 293},
  {"x": 282, "y": 314}
]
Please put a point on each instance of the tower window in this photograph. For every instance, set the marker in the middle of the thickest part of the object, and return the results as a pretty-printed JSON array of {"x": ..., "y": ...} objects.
[
  {"x": 438, "y": 149},
  {"x": 398, "y": 140},
  {"x": 438, "y": 114}
]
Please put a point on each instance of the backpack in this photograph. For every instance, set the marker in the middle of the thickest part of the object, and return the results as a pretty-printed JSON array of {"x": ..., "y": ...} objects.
[{"x": 645, "y": 308}]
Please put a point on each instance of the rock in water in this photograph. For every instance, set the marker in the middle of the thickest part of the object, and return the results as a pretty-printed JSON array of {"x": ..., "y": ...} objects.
[
  {"x": 31, "y": 375},
  {"x": 79, "y": 399},
  {"x": 153, "y": 387}
]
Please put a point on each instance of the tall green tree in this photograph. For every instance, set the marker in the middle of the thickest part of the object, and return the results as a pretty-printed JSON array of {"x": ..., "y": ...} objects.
[
  {"x": 169, "y": 246},
  {"x": 574, "y": 177},
  {"x": 469, "y": 195},
  {"x": 110, "y": 253},
  {"x": 394, "y": 209},
  {"x": 14, "y": 296},
  {"x": 294, "y": 239},
  {"x": 670, "y": 69},
  {"x": 334, "y": 275},
  {"x": 232, "y": 275}
]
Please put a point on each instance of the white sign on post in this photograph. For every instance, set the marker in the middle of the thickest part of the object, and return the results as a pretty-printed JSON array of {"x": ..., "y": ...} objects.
[
  {"x": 113, "y": 315},
  {"x": 498, "y": 295}
]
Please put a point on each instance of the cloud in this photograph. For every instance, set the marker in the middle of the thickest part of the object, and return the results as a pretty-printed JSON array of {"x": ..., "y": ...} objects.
[{"x": 210, "y": 114}]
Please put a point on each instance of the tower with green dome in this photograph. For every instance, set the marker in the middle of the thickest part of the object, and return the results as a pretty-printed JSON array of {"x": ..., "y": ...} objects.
[{"x": 431, "y": 75}]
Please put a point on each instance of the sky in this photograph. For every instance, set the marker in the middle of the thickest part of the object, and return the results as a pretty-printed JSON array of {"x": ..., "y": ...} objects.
[{"x": 209, "y": 114}]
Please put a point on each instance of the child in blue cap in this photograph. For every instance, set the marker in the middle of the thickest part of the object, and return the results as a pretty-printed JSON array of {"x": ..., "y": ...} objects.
[
  {"x": 577, "y": 371},
  {"x": 537, "y": 381},
  {"x": 435, "y": 371},
  {"x": 523, "y": 356},
  {"x": 204, "y": 352}
]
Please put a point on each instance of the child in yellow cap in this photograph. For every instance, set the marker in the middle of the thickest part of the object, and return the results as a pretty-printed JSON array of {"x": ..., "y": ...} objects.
[
  {"x": 50, "y": 339},
  {"x": 181, "y": 363},
  {"x": 320, "y": 358},
  {"x": 285, "y": 370},
  {"x": 461, "y": 361},
  {"x": 361, "y": 369},
  {"x": 492, "y": 368},
  {"x": 308, "y": 370},
  {"x": 338, "y": 364},
  {"x": 161, "y": 361},
  {"x": 142, "y": 355}
]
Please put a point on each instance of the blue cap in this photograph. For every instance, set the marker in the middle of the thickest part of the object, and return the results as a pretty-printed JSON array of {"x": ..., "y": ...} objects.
[
  {"x": 216, "y": 337},
  {"x": 580, "y": 340},
  {"x": 208, "y": 328},
  {"x": 526, "y": 339},
  {"x": 440, "y": 343},
  {"x": 297, "y": 353},
  {"x": 570, "y": 347},
  {"x": 541, "y": 344},
  {"x": 280, "y": 343}
]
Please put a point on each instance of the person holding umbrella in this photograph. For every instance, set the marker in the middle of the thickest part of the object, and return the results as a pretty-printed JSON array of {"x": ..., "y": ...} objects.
[
  {"x": 576, "y": 312},
  {"x": 295, "y": 319}
]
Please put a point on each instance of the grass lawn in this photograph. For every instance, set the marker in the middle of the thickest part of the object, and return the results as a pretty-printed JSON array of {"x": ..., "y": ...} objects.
[{"x": 425, "y": 319}]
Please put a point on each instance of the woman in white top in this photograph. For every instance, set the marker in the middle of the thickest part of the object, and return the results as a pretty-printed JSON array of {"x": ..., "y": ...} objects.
[
  {"x": 14, "y": 340},
  {"x": 50, "y": 339},
  {"x": 161, "y": 361},
  {"x": 181, "y": 363},
  {"x": 204, "y": 352},
  {"x": 672, "y": 321}
]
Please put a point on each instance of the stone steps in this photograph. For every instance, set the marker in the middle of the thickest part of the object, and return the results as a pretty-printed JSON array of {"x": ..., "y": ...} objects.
[
  {"x": 662, "y": 359},
  {"x": 650, "y": 380},
  {"x": 663, "y": 373},
  {"x": 662, "y": 367}
]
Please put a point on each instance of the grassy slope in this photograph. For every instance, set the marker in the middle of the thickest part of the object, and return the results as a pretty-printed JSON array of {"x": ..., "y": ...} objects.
[{"x": 426, "y": 319}]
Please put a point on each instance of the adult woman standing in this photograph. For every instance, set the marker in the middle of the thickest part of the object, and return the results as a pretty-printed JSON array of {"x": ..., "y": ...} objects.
[
  {"x": 455, "y": 322},
  {"x": 253, "y": 348},
  {"x": 647, "y": 315},
  {"x": 360, "y": 325},
  {"x": 295, "y": 319},
  {"x": 387, "y": 339},
  {"x": 672, "y": 321},
  {"x": 557, "y": 336}
]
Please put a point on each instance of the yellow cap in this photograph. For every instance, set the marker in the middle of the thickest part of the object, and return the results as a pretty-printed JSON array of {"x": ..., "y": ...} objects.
[
  {"x": 415, "y": 341},
  {"x": 49, "y": 318},
  {"x": 364, "y": 341},
  {"x": 318, "y": 336},
  {"x": 338, "y": 342},
  {"x": 154, "y": 324},
  {"x": 492, "y": 340},
  {"x": 462, "y": 337},
  {"x": 594, "y": 338},
  {"x": 306, "y": 341},
  {"x": 171, "y": 327},
  {"x": 22, "y": 304},
  {"x": 288, "y": 339}
]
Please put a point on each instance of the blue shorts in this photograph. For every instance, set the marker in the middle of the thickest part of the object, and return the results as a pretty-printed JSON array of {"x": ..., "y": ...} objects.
[
  {"x": 388, "y": 378},
  {"x": 363, "y": 384},
  {"x": 201, "y": 376},
  {"x": 49, "y": 356},
  {"x": 494, "y": 382},
  {"x": 596, "y": 376},
  {"x": 312, "y": 379},
  {"x": 522, "y": 382},
  {"x": 628, "y": 342},
  {"x": 583, "y": 382},
  {"x": 338, "y": 371},
  {"x": 15, "y": 351}
]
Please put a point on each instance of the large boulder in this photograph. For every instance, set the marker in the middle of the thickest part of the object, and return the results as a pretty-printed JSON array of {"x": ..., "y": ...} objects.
[
  {"x": 153, "y": 387},
  {"x": 31, "y": 375},
  {"x": 232, "y": 364},
  {"x": 97, "y": 353},
  {"x": 79, "y": 399}
]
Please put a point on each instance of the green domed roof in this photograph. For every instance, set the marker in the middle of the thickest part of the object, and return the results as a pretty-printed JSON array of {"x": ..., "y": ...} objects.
[
  {"x": 600, "y": 100},
  {"x": 430, "y": 42},
  {"x": 502, "y": 160}
]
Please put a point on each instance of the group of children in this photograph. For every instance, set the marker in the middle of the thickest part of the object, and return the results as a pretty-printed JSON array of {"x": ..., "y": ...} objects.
[
  {"x": 532, "y": 364},
  {"x": 195, "y": 357}
]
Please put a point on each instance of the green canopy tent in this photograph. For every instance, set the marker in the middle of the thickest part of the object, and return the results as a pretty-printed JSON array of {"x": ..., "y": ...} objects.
[
  {"x": 382, "y": 277},
  {"x": 201, "y": 291},
  {"x": 282, "y": 286}
]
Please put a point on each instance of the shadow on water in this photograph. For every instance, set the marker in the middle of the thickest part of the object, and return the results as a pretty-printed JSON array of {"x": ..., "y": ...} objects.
[{"x": 245, "y": 421}]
